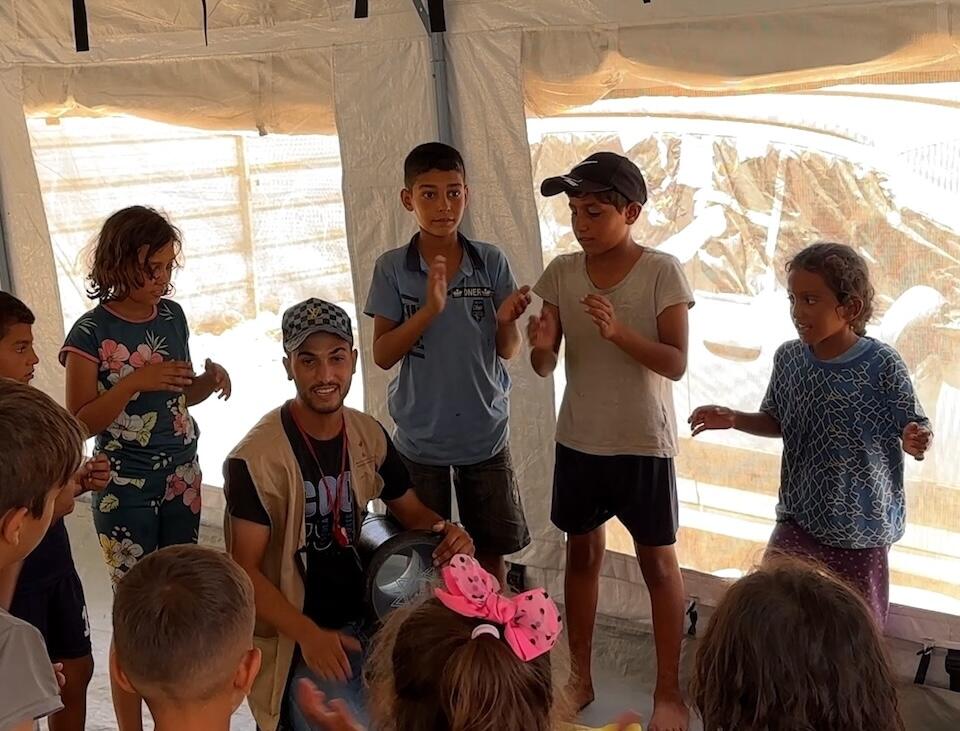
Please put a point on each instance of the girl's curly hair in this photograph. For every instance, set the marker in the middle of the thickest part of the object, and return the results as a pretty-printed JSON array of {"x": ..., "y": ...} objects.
[
  {"x": 845, "y": 273},
  {"x": 117, "y": 266}
]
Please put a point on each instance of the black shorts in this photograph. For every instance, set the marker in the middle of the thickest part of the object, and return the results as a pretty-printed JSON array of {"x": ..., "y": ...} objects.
[
  {"x": 488, "y": 498},
  {"x": 57, "y": 608},
  {"x": 590, "y": 489}
]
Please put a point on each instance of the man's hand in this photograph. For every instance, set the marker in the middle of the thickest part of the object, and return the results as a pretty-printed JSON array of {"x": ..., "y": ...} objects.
[
  {"x": 334, "y": 716},
  {"x": 514, "y": 306},
  {"x": 94, "y": 474},
  {"x": 455, "y": 540},
  {"x": 916, "y": 440},
  {"x": 325, "y": 653},
  {"x": 603, "y": 315}
]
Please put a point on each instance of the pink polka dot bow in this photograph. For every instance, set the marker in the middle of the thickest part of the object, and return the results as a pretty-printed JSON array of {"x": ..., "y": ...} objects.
[{"x": 530, "y": 621}]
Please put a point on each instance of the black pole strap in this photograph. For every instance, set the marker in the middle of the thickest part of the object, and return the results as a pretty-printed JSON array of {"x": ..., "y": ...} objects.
[
  {"x": 925, "y": 654},
  {"x": 80, "y": 32},
  {"x": 206, "y": 40}
]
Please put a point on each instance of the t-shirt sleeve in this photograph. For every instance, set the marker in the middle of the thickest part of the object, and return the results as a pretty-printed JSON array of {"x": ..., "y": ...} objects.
[
  {"x": 899, "y": 393},
  {"x": 504, "y": 284},
  {"x": 773, "y": 399},
  {"x": 548, "y": 286},
  {"x": 82, "y": 340},
  {"x": 396, "y": 478},
  {"x": 384, "y": 296},
  {"x": 29, "y": 690},
  {"x": 243, "y": 502},
  {"x": 672, "y": 287}
]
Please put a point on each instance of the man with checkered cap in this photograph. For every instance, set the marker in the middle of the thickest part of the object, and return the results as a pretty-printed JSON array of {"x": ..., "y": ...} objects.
[{"x": 297, "y": 486}]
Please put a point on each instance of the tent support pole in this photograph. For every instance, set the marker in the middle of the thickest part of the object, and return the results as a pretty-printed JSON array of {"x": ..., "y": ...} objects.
[
  {"x": 433, "y": 17},
  {"x": 6, "y": 280}
]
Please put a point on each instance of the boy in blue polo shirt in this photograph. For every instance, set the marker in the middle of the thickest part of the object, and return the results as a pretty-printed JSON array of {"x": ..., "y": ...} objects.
[{"x": 447, "y": 307}]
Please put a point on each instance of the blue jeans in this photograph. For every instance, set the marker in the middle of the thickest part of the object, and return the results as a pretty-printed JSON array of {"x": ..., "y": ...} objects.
[{"x": 352, "y": 692}]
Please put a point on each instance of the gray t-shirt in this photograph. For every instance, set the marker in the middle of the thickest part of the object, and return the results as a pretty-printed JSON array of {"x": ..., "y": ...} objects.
[
  {"x": 29, "y": 687},
  {"x": 612, "y": 404}
]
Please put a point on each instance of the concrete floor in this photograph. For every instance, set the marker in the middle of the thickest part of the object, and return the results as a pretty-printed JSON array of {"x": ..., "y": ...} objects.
[{"x": 624, "y": 664}]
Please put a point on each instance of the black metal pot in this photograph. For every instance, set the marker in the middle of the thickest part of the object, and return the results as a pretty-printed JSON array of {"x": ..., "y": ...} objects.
[{"x": 398, "y": 564}]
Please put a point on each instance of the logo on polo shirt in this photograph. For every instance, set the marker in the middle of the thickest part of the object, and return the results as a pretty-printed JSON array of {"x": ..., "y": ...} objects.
[{"x": 466, "y": 292}]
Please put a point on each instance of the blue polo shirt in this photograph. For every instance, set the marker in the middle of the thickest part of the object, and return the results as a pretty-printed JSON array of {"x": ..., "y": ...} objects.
[{"x": 450, "y": 400}]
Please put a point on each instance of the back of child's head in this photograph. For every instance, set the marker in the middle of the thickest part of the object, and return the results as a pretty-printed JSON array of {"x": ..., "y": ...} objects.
[
  {"x": 126, "y": 241},
  {"x": 13, "y": 312},
  {"x": 434, "y": 669},
  {"x": 431, "y": 156},
  {"x": 846, "y": 274},
  {"x": 183, "y": 622},
  {"x": 41, "y": 447},
  {"x": 792, "y": 648}
]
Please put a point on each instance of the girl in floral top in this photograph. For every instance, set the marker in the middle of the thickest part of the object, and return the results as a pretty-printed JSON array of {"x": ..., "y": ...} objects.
[{"x": 130, "y": 381}]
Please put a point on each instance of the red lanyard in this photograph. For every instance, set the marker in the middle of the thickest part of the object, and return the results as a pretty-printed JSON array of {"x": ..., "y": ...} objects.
[{"x": 339, "y": 534}]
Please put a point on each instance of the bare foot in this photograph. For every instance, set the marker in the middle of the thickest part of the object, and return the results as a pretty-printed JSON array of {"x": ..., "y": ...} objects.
[
  {"x": 580, "y": 693},
  {"x": 669, "y": 714}
]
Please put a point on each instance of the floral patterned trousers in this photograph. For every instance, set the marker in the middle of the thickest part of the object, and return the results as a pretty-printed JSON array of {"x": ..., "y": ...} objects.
[{"x": 134, "y": 517}]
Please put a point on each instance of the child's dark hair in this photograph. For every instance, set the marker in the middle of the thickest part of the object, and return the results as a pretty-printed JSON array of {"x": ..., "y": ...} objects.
[
  {"x": 117, "y": 269},
  {"x": 431, "y": 156},
  {"x": 792, "y": 648},
  {"x": 42, "y": 447},
  {"x": 610, "y": 197},
  {"x": 13, "y": 312},
  {"x": 846, "y": 274},
  {"x": 427, "y": 674}
]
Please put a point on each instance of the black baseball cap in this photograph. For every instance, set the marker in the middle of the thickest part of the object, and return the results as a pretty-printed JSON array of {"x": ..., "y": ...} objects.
[
  {"x": 599, "y": 172},
  {"x": 314, "y": 316}
]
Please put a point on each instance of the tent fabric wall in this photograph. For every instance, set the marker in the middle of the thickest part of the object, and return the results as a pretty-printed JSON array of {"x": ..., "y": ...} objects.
[{"x": 305, "y": 66}]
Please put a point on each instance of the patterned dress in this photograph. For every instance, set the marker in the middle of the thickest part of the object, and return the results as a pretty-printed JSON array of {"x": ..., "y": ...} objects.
[{"x": 153, "y": 499}]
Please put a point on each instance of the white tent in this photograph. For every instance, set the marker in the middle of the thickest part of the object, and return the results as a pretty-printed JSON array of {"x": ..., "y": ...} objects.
[{"x": 519, "y": 73}]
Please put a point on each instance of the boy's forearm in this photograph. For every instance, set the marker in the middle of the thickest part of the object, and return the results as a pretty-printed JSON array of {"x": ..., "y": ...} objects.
[
  {"x": 758, "y": 423},
  {"x": 509, "y": 340},
  {"x": 544, "y": 361},
  {"x": 391, "y": 347},
  {"x": 666, "y": 360}
]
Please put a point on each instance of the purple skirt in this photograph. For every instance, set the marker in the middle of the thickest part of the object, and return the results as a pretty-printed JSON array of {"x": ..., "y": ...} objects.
[{"x": 866, "y": 570}]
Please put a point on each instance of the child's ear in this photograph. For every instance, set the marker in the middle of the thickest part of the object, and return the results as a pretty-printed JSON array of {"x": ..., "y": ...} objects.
[
  {"x": 852, "y": 308},
  {"x": 11, "y": 525},
  {"x": 247, "y": 670},
  {"x": 406, "y": 197},
  {"x": 633, "y": 212},
  {"x": 116, "y": 672}
]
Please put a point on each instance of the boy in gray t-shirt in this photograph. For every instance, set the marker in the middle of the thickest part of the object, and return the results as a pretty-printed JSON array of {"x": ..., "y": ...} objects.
[
  {"x": 42, "y": 449},
  {"x": 623, "y": 311}
]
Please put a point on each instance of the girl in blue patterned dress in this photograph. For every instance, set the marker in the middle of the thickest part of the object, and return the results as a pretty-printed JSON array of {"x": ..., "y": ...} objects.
[
  {"x": 130, "y": 381},
  {"x": 846, "y": 410}
]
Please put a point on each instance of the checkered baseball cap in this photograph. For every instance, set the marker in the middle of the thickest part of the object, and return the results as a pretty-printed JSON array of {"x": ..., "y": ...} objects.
[{"x": 314, "y": 316}]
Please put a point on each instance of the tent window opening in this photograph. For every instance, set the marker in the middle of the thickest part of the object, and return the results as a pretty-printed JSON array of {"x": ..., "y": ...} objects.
[
  {"x": 263, "y": 227},
  {"x": 737, "y": 186}
]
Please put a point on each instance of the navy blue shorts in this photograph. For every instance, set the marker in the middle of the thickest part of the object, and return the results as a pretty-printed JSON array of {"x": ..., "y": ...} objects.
[
  {"x": 57, "y": 608},
  {"x": 590, "y": 489}
]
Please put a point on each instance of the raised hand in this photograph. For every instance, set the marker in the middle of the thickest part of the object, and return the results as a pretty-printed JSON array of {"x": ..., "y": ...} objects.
[
  {"x": 542, "y": 329},
  {"x": 437, "y": 285},
  {"x": 219, "y": 378},
  {"x": 333, "y": 716},
  {"x": 706, "y": 418},
  {"x": 514, "y": 306},
  {"x": 94, "y": 474},
  {"x": 603, "y": 315}
]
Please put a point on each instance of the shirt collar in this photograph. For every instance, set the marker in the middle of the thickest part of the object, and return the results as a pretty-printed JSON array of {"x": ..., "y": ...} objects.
[{"x": 472, "y": 261}]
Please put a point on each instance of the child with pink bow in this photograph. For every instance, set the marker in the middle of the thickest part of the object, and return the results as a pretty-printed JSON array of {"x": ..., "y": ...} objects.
[{"x": 468, "y": 658}]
